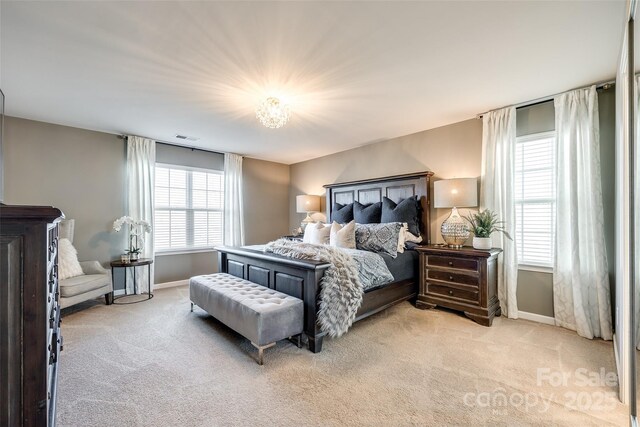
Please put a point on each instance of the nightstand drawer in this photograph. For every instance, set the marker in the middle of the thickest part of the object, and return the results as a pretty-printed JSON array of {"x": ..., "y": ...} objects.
[
  {"x": 449, "y": 292},
  {"x": 451, "y": 262},
  {"x": 447, "y": 276}
]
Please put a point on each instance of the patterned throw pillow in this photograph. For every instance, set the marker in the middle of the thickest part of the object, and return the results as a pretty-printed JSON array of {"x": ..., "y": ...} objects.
[
  {"x": 367, "y": 214},
  {"x": 379, "y": 237},
  {"x": 342, "y": 214},
  {"x": 406, "y": 210}
]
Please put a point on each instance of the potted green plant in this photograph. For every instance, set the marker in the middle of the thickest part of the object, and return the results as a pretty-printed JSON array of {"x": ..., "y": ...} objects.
[{"x": 483, "y": 224}]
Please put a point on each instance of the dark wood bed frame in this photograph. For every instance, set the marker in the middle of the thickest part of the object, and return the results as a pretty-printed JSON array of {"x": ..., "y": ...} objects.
[{"x": 301, "y": 278}]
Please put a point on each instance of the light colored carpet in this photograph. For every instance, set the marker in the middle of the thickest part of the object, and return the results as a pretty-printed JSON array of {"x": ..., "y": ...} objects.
[{"x": 157, "y": 364}]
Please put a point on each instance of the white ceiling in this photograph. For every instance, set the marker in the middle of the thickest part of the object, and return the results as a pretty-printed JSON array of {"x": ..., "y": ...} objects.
[{"x": 353, "y": 72}]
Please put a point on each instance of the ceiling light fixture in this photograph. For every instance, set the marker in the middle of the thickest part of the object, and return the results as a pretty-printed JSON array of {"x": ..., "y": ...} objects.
[{"x": 272, "y": 113}]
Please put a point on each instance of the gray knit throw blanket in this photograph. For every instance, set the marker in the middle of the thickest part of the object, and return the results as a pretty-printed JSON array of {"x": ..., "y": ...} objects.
[{"x": 340, "y": 291}]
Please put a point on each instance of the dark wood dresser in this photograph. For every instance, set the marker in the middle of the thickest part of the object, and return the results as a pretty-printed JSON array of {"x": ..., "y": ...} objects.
[
  {"x": 29, "y": 315},
  {"x": 461, "y": 279}
]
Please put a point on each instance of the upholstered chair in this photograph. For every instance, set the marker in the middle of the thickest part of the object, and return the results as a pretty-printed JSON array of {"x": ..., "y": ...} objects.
[{"x": 95, "y": 281}]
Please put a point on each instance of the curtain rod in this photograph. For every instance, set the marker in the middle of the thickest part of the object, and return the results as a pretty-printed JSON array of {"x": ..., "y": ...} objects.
[
  {"x": 192, "y": 148},
  {"x": 537, "y": 101}
]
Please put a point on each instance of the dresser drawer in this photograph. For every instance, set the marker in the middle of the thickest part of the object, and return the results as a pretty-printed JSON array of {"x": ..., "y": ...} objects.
[
  {"x": 448, "y": 276},
  {"x": 52, "y": 248},
  {"x": 450, "y": 292},
  {"x": 451, "y": 262}
]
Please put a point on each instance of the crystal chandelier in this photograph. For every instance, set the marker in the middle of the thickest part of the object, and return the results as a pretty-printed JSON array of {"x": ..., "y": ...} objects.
[{"x": 272, "y": 113}]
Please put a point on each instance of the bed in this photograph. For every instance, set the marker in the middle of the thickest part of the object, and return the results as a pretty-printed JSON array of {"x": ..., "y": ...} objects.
[{"x": 301, "y": 278}]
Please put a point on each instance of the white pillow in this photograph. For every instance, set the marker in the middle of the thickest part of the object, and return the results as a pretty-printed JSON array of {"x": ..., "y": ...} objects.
[
  {"x": 409, "y": 237},
  {"x": 343, "y": 236},
  {"x": 402, "y": 237},
  {"x": 316, "y": 234},
  {"x": 68, "y": 265},
  {"x": 406, "y": 236}
]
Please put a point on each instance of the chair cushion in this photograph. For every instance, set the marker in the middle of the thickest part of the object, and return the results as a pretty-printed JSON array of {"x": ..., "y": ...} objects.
[{"x": 81, "y": 284}]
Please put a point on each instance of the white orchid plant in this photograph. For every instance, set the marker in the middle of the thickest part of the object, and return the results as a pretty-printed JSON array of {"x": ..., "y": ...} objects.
[{"x": 137, "y": 228}]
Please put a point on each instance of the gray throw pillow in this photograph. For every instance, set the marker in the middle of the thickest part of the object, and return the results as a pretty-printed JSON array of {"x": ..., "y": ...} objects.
[
  {"x": 342, "y": 214},
  {"x": 367, "y": 214},
  {"x": 379, "y": 237},
  {"x": 407, "y": 210}
]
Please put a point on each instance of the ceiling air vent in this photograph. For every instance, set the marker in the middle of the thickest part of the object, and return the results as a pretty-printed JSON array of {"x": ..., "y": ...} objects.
[{"x": 187, "y": 138}]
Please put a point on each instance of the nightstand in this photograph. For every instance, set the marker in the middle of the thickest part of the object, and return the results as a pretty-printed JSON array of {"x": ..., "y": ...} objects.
[{"x": 463, "y": 279}]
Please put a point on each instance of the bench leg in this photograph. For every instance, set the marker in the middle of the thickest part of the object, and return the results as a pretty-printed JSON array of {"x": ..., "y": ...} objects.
[
  {"x": 261, "y": 349},
  {"x": 192, "y": 307},
  {"x": 297, "y": 340}
]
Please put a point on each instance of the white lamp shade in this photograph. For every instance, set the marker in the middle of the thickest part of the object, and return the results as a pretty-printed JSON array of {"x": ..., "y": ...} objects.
[
  {"x": 455, "y": 193},
  {"x": 306, "y": 203}
]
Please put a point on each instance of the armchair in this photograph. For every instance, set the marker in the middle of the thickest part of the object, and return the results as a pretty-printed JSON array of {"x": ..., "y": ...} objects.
[{"x": 95, "y": 281}]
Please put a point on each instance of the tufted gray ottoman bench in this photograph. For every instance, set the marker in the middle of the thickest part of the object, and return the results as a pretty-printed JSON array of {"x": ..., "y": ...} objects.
[{"x": 260, "y": 314}]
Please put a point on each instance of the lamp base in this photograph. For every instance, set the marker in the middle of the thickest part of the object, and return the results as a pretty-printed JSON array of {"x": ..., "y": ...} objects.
[
  {"x": 455, "y": 230},
  {"x": 308, "y": 220}
]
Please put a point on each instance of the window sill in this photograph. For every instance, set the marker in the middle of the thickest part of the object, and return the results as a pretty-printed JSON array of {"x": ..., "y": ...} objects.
[
  {"x": 184, "y": 252},
  {"x": 536, "y": 268}
]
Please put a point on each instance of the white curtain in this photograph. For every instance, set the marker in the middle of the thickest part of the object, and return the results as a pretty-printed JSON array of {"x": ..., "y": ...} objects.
[
  {"x": 637, "y": 214},
  {"x": 233, "y": 210},
  {"x": 581, "y": 294},
  {"x": 498, "y": 163},
  {"x": 141, "y": 160}
]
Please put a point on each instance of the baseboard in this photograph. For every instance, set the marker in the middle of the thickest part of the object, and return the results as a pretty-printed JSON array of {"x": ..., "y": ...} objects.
[
  {"x": 170, "y": 284},
  {"x": 536, "y": 318},
  {"x": 616, "y": 355}
]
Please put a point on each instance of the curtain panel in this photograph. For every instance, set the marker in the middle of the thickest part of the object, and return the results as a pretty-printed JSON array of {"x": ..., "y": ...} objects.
[
  {"x": 233, "y": 206},
  {"x": 637, "y": 218},
  {"x": 498, "y": 194},
  {"x": 581, "y": 292},
  {"x": 141, "y": 160}
]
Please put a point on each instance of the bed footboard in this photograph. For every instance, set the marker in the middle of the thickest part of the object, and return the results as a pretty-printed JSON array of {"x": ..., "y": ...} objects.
[{"x": 301, "y": 279}]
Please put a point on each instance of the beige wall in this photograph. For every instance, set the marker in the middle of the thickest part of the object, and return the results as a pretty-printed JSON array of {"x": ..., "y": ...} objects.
[
  {"x": 83, "y": 173},
  {"x": 452, "y": 151}
]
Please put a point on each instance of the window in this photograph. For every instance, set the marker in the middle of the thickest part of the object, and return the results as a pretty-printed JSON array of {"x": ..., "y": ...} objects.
[
  {"x": 535, "y": 199},
  {"x": 188, "y": 208}
]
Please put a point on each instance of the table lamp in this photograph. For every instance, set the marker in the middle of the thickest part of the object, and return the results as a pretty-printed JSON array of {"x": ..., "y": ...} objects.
[
  {"x": 307, "y": 204},
  {"x": 455, "y": 193}
]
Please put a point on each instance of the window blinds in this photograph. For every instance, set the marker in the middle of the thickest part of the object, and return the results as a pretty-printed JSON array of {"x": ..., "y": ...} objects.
[
  {"x": 535, "y": 199},
  {"x": 188, "y": 208}
]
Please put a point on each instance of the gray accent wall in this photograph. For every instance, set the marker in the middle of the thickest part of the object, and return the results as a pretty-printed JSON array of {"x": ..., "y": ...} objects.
[
  {"x": 455, "y": 151},
  {"x": 83, "y": 172}
]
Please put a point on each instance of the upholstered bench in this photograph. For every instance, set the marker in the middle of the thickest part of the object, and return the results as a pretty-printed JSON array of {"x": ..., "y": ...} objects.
[{"x": 260, "y": 314}]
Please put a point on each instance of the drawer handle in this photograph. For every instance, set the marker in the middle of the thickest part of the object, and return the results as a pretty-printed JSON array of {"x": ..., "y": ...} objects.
[
  {"x": 450, "y": 262},
  {"x": 450, "y": 277},
  {"x": 450, "y": 292}
]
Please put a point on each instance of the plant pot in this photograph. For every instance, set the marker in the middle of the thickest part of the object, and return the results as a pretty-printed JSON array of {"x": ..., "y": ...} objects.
[
  {"x": 133, "y": 257},
  {"x": 482, "y": 243}
]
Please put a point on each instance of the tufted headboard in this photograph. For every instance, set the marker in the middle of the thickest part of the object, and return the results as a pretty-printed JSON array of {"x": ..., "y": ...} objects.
[{"x": 394, "y": 187}]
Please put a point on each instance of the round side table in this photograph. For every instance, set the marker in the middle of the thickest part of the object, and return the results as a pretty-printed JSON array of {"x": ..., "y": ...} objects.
[{"x": 133, "y": 265}]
